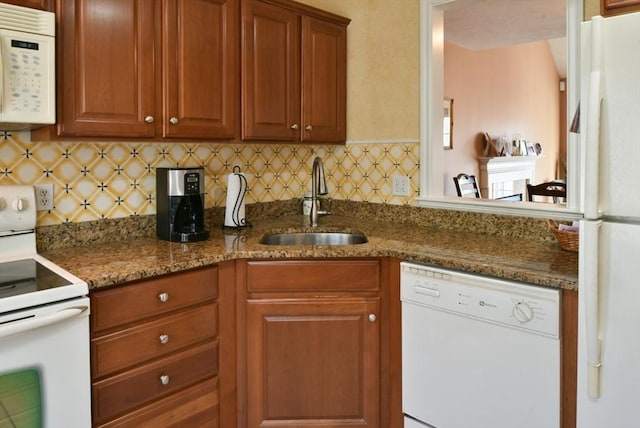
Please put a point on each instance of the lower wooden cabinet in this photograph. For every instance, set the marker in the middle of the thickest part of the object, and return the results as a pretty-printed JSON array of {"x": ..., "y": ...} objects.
[
  {"x": 313, "y": 361},
  {"x": 317, "y": 343},
  {"x": 196, "y": 406},
  {"x": 155, "y": 352},
  {"x": 569, "y": 358},
  {"x": 154, "y": 339},
  {"x": 254, "y": 343},
  {"x": 133, "y": 388}
]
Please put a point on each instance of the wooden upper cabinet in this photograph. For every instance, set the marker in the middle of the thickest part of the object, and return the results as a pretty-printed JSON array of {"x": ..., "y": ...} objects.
[
  {"x": 35, "y": 4},
  {"x": 294, "y": 73},
  {"x": 148, "y": 69},
  {"x": 271, "y": 72},
  {"x": 324, "y": 81},
  {"x": 106, "y": 68},
  {"x": 200, "y": 63},
  {"x": 618, "y": 7}
]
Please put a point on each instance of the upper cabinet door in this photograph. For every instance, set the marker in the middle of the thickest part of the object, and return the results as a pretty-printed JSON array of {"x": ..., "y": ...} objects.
[
  {"x": 35, "y": 4},
  {"x": 324, "y": 77},
  {"x": 294, "y": 73},
  {"x": 271, "y": 72},
  {"x": 618, "y": 7},
  {"x": 200, "y": 64},
  {"x": 106, "y": 59}
]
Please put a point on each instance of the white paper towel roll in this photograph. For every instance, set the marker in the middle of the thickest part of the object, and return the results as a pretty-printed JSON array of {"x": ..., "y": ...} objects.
[{"x": 234, "y": 210}]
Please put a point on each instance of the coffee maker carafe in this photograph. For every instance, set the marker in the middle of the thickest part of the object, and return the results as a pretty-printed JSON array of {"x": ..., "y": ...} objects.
[{"x": 180, "y": 204}]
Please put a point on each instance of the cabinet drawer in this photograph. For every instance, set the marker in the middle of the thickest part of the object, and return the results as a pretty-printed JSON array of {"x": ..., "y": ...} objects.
[
  {"x": 122, "y": 305},
  {"x": 313, "y": 275},
  {"x": 118, "y": 394},
  {"x": 149, "y": 340},
  {"x": 195, "y": 406}
]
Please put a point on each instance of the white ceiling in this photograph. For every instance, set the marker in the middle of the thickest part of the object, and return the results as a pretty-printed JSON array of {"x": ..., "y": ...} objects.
[{"x": 488, "y": 24}]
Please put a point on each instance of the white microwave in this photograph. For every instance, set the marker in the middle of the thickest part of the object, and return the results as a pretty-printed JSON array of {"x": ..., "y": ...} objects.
[{"x": 27, "y": 68}]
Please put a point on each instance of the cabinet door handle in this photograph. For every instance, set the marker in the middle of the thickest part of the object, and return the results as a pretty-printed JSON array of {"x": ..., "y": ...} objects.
[
  {"x": 164, "y": 339},
  {"x": 174, "y": 120},
  {"x": 149, "y": 119},
  {"x": 163, "y": 297},
  {"x": 294, "y": 126},
  {"x": 309, "y": 128},
  {"x": 164, "y": 379},
  {"x": 372, "y": 317}
]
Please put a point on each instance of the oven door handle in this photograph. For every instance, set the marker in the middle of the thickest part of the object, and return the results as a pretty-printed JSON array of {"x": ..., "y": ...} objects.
[{"x": 21, "y": 326}]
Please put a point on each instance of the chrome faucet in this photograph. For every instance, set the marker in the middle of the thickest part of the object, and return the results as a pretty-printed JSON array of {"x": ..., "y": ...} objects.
[{"x": 318, "y": 187}]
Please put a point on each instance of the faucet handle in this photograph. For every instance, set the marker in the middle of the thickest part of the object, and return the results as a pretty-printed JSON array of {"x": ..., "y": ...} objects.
[{"x": 324, "y": 206}]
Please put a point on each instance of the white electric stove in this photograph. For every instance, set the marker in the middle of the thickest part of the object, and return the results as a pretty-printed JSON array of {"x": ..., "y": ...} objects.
[{"x": 44, "y": 327}]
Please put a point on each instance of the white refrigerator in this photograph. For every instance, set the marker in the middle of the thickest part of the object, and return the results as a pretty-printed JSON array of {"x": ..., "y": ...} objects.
[{"x": 609, "y": 261}]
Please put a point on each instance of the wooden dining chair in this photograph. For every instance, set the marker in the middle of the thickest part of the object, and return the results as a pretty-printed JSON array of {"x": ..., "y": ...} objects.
[
  {"x": 466, "y": 185},
  {"x": 514, "y": 197},
  {"x": 554, "y": 189}
]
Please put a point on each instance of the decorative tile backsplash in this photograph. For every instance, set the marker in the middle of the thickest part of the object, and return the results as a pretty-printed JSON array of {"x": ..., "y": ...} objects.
[{"x": 95, "y": 180}]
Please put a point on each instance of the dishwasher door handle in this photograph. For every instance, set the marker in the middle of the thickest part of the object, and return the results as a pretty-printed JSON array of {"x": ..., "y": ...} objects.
[{"x": 431, "y": 292}]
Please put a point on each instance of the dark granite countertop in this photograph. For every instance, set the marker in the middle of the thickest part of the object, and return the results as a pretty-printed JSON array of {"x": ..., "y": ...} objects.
[{"x": 535, "y": 261}]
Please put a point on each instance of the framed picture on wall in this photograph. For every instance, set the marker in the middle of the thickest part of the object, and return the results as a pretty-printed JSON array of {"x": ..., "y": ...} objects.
[
  {"x": 531, "y": 151},
  {"x": 538, "y": 148},
  {"x": 447, "y": 124}
]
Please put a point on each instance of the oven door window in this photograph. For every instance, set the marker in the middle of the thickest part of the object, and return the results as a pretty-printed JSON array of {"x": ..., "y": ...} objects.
[{"x": 21, "y": 398}]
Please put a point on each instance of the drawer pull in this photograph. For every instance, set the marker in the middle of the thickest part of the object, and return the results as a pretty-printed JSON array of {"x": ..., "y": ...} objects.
[
  {"x": 164, "y": 339},
  {"x": 372, "y": 317},
  {"x": 164, "y": 379},
  {"x": 163, "y": 297}
]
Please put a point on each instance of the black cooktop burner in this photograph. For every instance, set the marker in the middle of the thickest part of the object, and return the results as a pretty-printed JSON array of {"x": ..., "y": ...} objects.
[{"x": 27, "y": 276}]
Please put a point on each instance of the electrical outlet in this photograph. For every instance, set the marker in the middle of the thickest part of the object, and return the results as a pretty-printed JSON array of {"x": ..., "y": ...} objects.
[
  {"x": 400, "y": 185},
  {"x": 44, "y": 197}
]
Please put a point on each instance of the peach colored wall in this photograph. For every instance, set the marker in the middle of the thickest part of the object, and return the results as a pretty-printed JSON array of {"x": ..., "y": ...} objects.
[{"x": 505, "y": 92}]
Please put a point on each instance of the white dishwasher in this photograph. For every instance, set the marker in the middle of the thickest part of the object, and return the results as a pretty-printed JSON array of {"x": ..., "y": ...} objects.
[{"x": 478, "y": 351}]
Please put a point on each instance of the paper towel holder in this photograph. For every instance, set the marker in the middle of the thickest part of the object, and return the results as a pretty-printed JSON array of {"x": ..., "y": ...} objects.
[{"x": 238, "y": 222}]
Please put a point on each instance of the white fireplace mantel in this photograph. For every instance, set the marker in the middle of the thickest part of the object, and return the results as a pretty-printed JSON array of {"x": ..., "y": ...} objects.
[{"x": 506, "y": 175}]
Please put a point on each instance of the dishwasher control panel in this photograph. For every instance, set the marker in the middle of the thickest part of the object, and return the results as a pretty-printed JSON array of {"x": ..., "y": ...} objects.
[{"x": 513, "y": 304}]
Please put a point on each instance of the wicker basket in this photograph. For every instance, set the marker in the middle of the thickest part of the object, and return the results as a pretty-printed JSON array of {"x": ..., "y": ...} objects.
[{"x": 568, "y": 240}]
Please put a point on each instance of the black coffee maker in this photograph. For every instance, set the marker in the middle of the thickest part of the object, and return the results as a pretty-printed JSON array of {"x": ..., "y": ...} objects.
[{"x": 180, "y": 204}]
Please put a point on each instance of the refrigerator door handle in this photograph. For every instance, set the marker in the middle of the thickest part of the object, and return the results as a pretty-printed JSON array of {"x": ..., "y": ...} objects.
[
  {"x": 592, "y": 122},
  {"x": 589, "y": 231}
]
